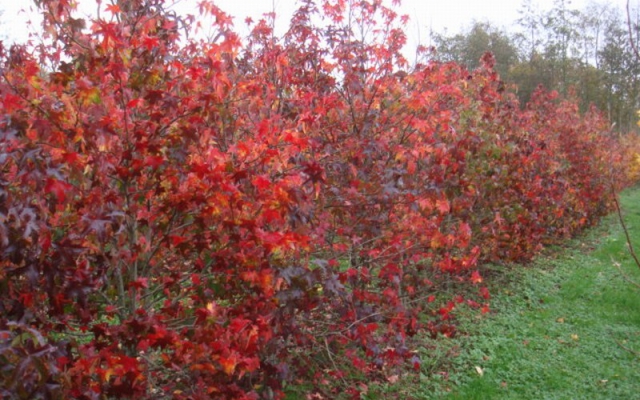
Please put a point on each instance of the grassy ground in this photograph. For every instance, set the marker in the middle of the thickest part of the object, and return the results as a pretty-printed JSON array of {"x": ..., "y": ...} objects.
[{"x": 565, "y": 327}]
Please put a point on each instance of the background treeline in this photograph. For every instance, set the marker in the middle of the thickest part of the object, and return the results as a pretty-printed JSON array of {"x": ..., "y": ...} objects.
[{"x": 563, "y": 48}]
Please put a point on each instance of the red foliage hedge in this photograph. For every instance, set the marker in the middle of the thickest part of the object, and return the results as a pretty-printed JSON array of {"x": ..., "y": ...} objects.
[{"x": 210, "y": 219}]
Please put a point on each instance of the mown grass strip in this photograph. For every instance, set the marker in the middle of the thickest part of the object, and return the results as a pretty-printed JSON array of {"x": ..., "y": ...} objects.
[{"x": 565, "y": 327}]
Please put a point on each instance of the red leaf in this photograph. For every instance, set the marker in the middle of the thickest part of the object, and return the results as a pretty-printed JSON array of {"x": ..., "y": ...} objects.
[
  {"x": 150, "y": 42},
  {"x": 11, "y": 103},
  {"x": 444, "y": 311},
  {"x": 70, "y": 157},
  {"x": 261, "y": 182},
  {"x": 473, "y": 304},
  {"x": 57, "y": 188},
  {"x": 135, "y": 103},
  {"x": 153, "y": 161},
  {"x": 143, "y": 345},
  {"x": 177, "y": 240},
  {"x": 45, "y": 241},
  {"x": 464, "y": 235},
  {"x": 271, "y": 216},
  {"x": 140, "y": 283}
]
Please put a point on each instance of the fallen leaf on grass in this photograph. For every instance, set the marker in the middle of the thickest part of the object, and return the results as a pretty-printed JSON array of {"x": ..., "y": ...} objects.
[{"x": 480, "y": 371}]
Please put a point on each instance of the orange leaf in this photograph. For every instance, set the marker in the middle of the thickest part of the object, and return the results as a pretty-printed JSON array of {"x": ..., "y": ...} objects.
[
  {"x": 228, "y": 364},
  {"x": 443, "y": 206},
  {"x": 475, "y": 277},
  {"x": 113, "y": 8}
]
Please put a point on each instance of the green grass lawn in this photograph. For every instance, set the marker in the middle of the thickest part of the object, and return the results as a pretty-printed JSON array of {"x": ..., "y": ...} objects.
[{"x": 558, "y": 328}]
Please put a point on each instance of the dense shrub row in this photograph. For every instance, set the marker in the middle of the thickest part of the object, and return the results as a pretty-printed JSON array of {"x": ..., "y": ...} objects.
[{"x": 211, "y": 219}]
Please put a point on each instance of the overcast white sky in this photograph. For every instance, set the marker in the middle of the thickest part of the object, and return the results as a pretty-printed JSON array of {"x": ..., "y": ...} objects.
[{"x": 425, "y": 14}]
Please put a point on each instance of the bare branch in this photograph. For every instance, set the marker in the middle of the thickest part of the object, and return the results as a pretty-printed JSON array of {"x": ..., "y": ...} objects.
[
  {"x": 626, "y": 231},
  {"x": 624, "y": 275},
  {"x": 632, "y": 41}
]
